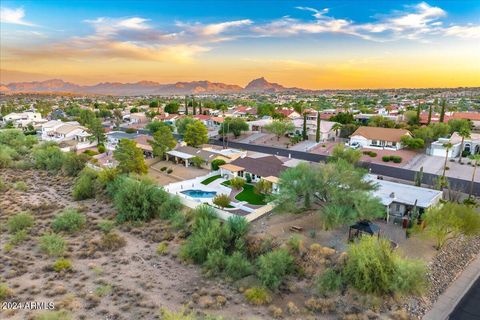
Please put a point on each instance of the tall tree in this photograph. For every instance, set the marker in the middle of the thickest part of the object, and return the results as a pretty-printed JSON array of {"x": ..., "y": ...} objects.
[
  {"x": 233, "y": 125},
  {"x": 96, "y": 129},
  {"x": 429, "y": 115},
  {"x": 447, "y": 147},
  {"x": 130, "y": 157},
  {"x": 464, "y": 133},
  {"x": 476, "y": 163},
  {"x": 280, "y": 128},
  {"x": 301, "y": 108},
  {"x": 163, "y": 140},
  {"x": 182, "y": 124},
  {"x": 194, "y": 106},
  {"x": 443, "y": 104},
  {"x": 186, "y": 106},
  {"x": 196, "y": 134}
]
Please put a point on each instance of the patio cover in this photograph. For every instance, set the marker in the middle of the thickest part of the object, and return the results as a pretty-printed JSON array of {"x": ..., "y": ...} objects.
[
  {"x": 232, "y": 167},
  {"x": 178, "y": 154}
]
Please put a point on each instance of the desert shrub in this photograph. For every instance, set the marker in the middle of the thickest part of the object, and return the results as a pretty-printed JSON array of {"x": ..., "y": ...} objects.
[
  {"x": 372, "y": 267},
  {"x": 140, "y": 200},
  {"x": 106, "y": 225},
  {"x": 237, "y": 266},
  {"x": 52, "y": 244},
  {"x": 69, "y": 220},
  {"x": 204, "y": 212},
  {"x": 180, "y": 315},
  {"x": 54, "y": 315},
  {"x": 296, "y": 243},
  {"x": 61, "y": 265},
  {"x": 207, "y": 235},
  {"x": 48, "y": 156},
  {"x": 386, "y": 158},
  {"x": 73, "y": 163},
  {"x": 238, "y": 227},
  {"x": 18, "y": 237},
  {"x": 163, "y": 168},
  {"x": 106, "y": 176},
  {"x": 237, "y": 183},
  {"x": 273, "y": 267},
  {"x": 5, "y": 291},
  {"x": 217, "y": 163},
  {"x": 112, "y": 241},
  {"x": 3, "y": 185},
  {"x": 103, "y": 290},
  {"x": 169, "y": 170},
  {"x": 329, "y": 281},
  {"x": 178, "y": 220},
  {"x": 222, "y": 200},
  {"x": 85, "y": 186},
  {"x": 216, "y": 262},
  {"x": 90, "y": 153},
  {"x": 7, "y": 155},
  {"x": 170, "y": 208},
  {"x": 162, "y": 248},
  {"x": 20, "y": 186},
  {"x": 257, "y": 296},
  {"x": 20, "y": 221}
]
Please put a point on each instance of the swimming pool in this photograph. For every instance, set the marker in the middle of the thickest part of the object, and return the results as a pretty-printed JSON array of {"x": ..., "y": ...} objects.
[{"x": 199, "y": 193}]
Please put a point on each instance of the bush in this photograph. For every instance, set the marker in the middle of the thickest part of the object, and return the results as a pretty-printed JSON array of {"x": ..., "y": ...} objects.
[
  {"x": 54, "y": 315},
  {"x": 140, "y": 200},
  {"x": 372, "y": 267},
  {"x": 18, "y": 237},
  {"x": 48, "y": 156},
  {"x": 180, "y": 315},
  {"x": 257, "y": 296},
  {"x": 273, "y": 267},
  {"x": 237, "y": 183},
  {"x": 20, "y": 221},
  {"x": 169, "y": 170},
  {"x": 329, "y": 281},
  {"x": 103, "y": 290},
  {"x": 106, "y": 225},
  {"x": 386, "y": 158},
  {"x": 85, "y": 186},
  {"x": 221, "y": 200},
  {"x": 52, "y": 244},
  {"x": 5, "y": 292},
  {"x": 237, "y": 266},
  {"x": 69, "y": 220},
  {"x": 61, "y": 265},
  {"x": 396, "y": 159},
  {"x": 216, "y": 262},
  {"x": 163, "y": 168},
  {"x": 248, "y": 177},
  {"x": 131, "y": 130},
  {"x": 90, "y": 153},
  {"x": 112, "y": 241},
  {"x": 217, "y": 163},
  {"x": 20, "y": 186},
  {"x": 106, "y": 176},
  {"x": 178, "y": 220},
  {"x": 370, "y": 153},
  {"x": 162, "y": 248},
  {"x": 101, "y": 148},
  {"x": 296, "y": 243},
  {"x": 73, "y": 163}
]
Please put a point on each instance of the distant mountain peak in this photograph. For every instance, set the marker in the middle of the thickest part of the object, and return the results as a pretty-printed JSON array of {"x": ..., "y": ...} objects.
[
  {"x": 261, "y": 84},
  {"x": 143, "y": 87}
]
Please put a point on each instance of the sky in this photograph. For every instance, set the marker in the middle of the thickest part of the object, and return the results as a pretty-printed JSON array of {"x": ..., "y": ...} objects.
[{"x": 310, "y": 44}]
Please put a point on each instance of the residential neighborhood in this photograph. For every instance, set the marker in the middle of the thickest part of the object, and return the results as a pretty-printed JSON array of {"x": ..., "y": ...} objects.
[{"x": 244, "y": 160}]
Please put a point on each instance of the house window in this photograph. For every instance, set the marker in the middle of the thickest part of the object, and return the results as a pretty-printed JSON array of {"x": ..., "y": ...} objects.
[
  {"x": 397, "y": 207},
  {"x": 374, "y": 142}
]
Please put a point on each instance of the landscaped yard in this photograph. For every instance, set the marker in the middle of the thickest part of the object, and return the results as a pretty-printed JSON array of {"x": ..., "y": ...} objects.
[
  {"x": 211, "y": 179},
  {"x": 248, "y": 194}
]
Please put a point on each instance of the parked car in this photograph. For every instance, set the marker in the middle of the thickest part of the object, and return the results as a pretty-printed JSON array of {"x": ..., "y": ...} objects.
[{"x": 353, "y": 145}]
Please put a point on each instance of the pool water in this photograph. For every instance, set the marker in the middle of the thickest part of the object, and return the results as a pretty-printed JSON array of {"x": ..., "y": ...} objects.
[{"x": 199, "y": 193}]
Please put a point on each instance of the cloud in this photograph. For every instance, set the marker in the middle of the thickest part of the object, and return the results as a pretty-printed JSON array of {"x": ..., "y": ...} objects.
[
  {"x": 13, "y": 16},
  {"x": 418, "y": 22}
]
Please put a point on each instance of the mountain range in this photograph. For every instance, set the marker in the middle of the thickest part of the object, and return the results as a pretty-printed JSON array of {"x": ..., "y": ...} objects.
[{"x": 143, "y": 88}]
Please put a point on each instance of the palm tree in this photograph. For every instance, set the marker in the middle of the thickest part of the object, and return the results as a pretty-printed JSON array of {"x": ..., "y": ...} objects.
[
  {"x": 336, "y": 127},
  {"x": 447, "y": 147},
  {"x": 186, "y": 106},
  {"x": 476, "y": 159},
  {"x": 464, "y": 132}
]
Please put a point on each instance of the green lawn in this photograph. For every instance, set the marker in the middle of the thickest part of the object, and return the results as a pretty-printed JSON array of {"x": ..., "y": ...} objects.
[
  {"x": 210, "y": 180},
  {"x": 248, "y": 194}
]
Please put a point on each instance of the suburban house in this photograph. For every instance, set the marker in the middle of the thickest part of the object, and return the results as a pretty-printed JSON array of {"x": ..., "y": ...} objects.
[
  {"x": 71, "y": 134},
  {"x": 326, "y": 129},
  {"x": 379, "y": 138},
  {"x": 364, "y": 118},
  {"x": 185, "y": 154},
  {"x": 288, "y": 113},
  {"x": 113, "y": 137},
  {"x": 206, "y": 120},
  {"x": 23, "y": 119},
  {"x": 142, "y": 143},
  {"x": 267, "y": 168},
  {"x": 471, "y": 145},
  {"x": 243, "y": 111},
  {"x": 135, "y": 118},
  {"x": 400, "y": 199}
]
